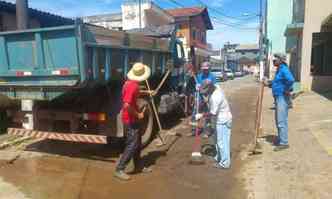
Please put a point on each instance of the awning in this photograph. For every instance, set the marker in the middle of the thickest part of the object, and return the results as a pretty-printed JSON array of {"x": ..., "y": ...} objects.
[{"x": 294, "y": 29}]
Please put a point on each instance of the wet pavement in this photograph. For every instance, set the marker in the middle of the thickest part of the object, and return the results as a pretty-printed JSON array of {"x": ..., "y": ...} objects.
[{"x": 50, "y": 169}]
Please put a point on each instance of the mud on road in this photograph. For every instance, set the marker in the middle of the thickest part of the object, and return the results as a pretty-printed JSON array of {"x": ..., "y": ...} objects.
[{"x": 50, "y": 169}]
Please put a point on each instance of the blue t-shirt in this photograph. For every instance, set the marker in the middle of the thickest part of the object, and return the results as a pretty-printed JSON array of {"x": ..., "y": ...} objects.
[
  {"x": 202, "y": 77},
  {"x": 283, "y": 81}
]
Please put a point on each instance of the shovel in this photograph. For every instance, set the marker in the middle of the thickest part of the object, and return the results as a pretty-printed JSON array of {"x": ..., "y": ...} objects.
[{"x": 161, "y": 143}]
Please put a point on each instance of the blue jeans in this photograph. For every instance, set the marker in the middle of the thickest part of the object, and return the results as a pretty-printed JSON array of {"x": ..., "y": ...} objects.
[
  {"x": 223, "y": 144},
  {"x": 281, "y": 117}
]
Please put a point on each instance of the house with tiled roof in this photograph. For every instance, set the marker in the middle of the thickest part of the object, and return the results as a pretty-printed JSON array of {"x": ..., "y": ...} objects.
[
  {"x": 193, "y": 23},
  {"x": 37, "y": 18}
]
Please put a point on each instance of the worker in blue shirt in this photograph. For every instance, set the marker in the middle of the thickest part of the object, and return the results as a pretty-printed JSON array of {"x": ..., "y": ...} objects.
[
  {"x": 205, "y": 76},
  {"x": 282, "y": 86}
]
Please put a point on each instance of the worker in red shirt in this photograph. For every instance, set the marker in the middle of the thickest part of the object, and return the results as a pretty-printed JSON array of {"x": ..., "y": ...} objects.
[{"x": 130, "y": 117}]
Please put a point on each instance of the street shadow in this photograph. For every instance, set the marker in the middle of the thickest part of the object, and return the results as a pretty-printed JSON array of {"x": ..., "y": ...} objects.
[
  {"x": 209, "y": 150},
  {"x": 319, "y": 85},
  {"x": 105, "y": 153},
  {"x": 96, "y": 152},
  {"x": 327, "y": 95},
  {"x": 270, "y": 138},
  {"x": 169, "y": 121},
  {"x": 151, "y": 158}
]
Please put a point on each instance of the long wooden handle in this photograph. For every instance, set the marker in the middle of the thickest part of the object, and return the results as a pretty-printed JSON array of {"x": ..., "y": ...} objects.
[
  {"x": 162, "y": 81},
  {"x": 259, "y": 110},
  {"x": 155, "y": 110}
]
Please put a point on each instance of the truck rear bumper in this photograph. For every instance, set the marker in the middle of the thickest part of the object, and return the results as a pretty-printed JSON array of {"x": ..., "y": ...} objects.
[{"x": 82, "y": 138}]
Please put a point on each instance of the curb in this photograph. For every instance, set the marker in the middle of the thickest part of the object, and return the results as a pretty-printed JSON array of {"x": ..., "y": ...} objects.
[{"x": 14, "y": 142}]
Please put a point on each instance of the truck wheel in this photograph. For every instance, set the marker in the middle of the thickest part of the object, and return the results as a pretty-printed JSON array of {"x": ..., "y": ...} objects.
[
  {"x": 147, "y": 122},
  {"x": 4, "y": 122}
]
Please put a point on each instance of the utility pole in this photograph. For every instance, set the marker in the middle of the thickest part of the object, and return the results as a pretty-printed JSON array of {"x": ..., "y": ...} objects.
[
  {"x": 220, "y": 57},
  {"x": 140, "y": 14},
  {"x": 225, "y": 56},
  {"x": 261, "y": 43}
]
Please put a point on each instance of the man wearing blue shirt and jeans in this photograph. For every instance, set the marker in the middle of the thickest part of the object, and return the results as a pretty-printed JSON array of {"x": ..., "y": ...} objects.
[
  {"x": 281, "y": 89},
  {"x": 205, "y": 76}
]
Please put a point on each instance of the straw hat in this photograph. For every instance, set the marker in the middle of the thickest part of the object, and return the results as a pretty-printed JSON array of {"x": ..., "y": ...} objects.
[{"x": 139, "y": 72}]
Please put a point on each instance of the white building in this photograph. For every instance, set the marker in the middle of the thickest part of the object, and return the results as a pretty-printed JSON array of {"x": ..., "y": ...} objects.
[
  {"x": 132, "y": 17},
  {"x": 110, "y": 21}
]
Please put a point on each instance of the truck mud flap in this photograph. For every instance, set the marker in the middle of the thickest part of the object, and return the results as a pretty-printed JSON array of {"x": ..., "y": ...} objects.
[{"x": 82, "y": 138}]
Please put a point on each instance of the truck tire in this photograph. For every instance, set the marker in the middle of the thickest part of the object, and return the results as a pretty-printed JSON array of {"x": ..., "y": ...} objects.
[
  {"x": 4, "y": 121},
  {"x": 147, "y": 122}
]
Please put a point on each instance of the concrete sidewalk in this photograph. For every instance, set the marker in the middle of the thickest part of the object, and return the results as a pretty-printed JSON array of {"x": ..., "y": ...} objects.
[{"x": 305, "y": 170}]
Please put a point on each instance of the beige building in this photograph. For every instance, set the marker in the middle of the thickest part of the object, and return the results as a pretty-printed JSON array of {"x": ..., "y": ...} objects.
[{"x": 310, "y": 44}]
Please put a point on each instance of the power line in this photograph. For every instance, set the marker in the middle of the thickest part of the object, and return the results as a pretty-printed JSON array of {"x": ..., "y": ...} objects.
[
  {"x": 221, "y": 13},
  {"x": 177, "y": 3},
  {"x": 233, "y": 26},
  {"x": 217, "y": 11},
  {"x": 238, "y": 23},
  {"x": 218, "y": 20}
]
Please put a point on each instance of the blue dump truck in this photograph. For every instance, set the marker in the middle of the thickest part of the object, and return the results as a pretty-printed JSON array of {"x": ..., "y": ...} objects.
[{"x": 67, "y": 80}]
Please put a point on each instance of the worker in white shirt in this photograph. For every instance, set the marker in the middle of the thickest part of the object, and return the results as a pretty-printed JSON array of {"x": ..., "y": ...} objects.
[{"x": 221, "y": 119}]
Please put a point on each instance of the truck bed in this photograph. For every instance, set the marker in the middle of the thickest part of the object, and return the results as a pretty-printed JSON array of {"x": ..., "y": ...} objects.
[{"x": 42, "y": 64}]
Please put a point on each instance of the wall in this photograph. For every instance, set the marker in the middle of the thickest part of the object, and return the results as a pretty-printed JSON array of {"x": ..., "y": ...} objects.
[
  {"x": 315, "y": 14},
  {"x": 197, "y": 24},
  {"x": 279, "y": 15},
  {"x": 295, "y": 57},
  {"x": 9, "y": 22},
  {"x": 155, "y": 17},
  {"x": 116, "y": 25}
]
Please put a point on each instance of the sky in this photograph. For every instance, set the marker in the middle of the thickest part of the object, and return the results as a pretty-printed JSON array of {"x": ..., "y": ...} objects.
[{"x": 234, "y": 21}]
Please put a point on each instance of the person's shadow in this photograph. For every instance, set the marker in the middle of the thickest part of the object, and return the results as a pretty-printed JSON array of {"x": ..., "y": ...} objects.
[{"x": 270, "y": 138}]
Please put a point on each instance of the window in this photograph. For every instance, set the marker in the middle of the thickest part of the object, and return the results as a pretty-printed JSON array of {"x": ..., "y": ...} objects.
[
  {"x": 1, "y": 23},
  {"x": 203, "y": 37},
  {"x": 194, "y": 34},
  {"x": 321, "y": 59}
]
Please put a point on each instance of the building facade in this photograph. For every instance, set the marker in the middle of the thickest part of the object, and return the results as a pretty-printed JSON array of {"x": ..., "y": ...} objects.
[
  {"x": 294, "y": 35},
  {"x": 109, "y": 21},
  {"x": 133, "y": 16},
  {"x": 193, "y": 24},
  {"x": 316, "y": 60},
  {"x": 241, "y": 56},
  {"x": 310, "y": 58},
  {"x": 279, "y": 15}
]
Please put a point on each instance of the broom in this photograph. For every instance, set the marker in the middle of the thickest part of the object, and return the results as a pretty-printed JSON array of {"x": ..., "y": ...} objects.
[{"x": 196, "y": 156}]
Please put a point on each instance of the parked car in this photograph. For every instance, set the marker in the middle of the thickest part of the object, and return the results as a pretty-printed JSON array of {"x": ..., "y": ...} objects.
[
  {"x": 229, "y": 74},
  {"x": 238, "y": 74},
  {"x": 219, "y": 74}
]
